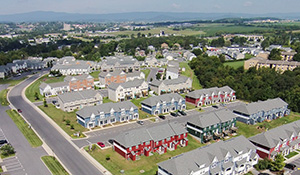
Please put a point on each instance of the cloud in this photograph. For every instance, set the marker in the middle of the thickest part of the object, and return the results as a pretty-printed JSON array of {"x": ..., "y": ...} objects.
[
  {"x": 177, "y": 6},
  {"x": 248, "y": 4}
]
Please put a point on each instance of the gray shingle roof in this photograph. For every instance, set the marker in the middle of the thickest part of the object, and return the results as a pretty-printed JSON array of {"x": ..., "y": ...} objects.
[
  {"x": 72, "y": 66},
  {"x": 78, "y": 95},
  {"x": 161, "y": 98},
  {"x": 155, "y": 133},
  {"x": 191, "y": 161},
  {"x": 255, "y": 107},
  {"x": 110, "y": 74},
  {"x": 128, "y": 84},
  {"x": 54, "y": 85},
  {"x": 179, "y": 80},
  {"x": 121, "y": 60},
  {"x": 198, "y": 93},
  {"x": 86, "y": 112}
]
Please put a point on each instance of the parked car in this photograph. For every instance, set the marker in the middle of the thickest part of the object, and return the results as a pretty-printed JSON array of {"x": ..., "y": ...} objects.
[
  {"x": 140, "y": 122},
  {"x": 101, "y": 144},
  {"x": 181, "y": 112},
  {"x": 175, "y": 114},
  {"x": 19, "y": 110},
  {"x": 162, "y": 117},
  {"x": 215, "y": 106},
  {"x": 223, "y": 104},
  {"x": 290, "y": 166},
  {"x": 111, "y": 141},
  {"x": 3, "y": 142}
]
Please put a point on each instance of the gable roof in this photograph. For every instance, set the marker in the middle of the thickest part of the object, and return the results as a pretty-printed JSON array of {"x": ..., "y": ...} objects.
[
  {"x": 110, "y": 74},
  {"x": 128, "y": 84},
  {"x": 179, "y": 80},
  {"x": 198, "y": 93},
  {"x": 151, "y": 101},
  {"x": 54, "y": 85},
  {"x": 77, "y": 95},
  {"x": 78, "y": 77}
]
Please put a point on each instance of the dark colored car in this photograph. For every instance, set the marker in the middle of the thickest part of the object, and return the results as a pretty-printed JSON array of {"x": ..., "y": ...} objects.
[
  {"x": 101, "y": 144},
  {"x": 215, "y": 106},
  {"x": 19, "y": 110},
  {"x": 3, "y": 142},
  {"x": 111, "y": 141},
  {"x": 140, "y": 122},
  {"x": 181, "y": 112},
  {"x": 162, "y": 117},
  {"x": 290, "y": 166},
  {"x": 174, "y": 114}
]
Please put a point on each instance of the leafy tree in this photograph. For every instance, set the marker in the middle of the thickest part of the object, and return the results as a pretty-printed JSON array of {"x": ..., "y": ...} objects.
[
  {"x": 263, "y": 164},
  {"x": 265, "y": 44},
  {"x": 7, "y": 150},
  {"x": 278, "y": 164},
  {"x": 275, "y": 54},
  {"x": 45, "y": 103},
  {"x": 36, "y": 96},
  {"x": 158, "y": 76},
  {"x": 222, "y": 58},
  {"x": 296, "y": 57},
  {"x": 197, "y": 52},
  {"x": 220, "y": 42}
]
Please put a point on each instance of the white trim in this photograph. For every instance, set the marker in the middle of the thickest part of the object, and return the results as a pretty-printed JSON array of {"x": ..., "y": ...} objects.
[
  {"x": 191, "y": 127},
  {"x": 80, "y": 119},
  {"x": 122, "y": 149},
  {"x": 262, "y": 150},
  {"x": 146, "y": 107}
]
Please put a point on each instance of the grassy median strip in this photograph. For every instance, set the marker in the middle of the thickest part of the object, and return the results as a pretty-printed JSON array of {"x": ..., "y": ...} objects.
[
  {"x": 12, "y": 82},
  {"x": 54, "y": 166},
  {"x": 3, "y": 97},
  {"x": 29, "y": 134}
]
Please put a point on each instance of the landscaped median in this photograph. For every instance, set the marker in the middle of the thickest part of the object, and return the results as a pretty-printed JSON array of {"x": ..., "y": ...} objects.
[
  {"x": 65, "y": 120},
  {"x": 3, "y": 97},
  {"x": 23, "y": 126},
  {"x": 54, "y": 166},
  {"x": 114, "y": 162}
]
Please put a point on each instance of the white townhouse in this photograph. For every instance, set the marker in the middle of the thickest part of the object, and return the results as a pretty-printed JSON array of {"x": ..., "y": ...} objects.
[{"x": 54, "y": 88}]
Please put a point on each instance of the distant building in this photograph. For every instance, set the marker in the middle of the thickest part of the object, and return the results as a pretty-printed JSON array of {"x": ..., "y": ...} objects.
[
  {"x": 126, "y": 64},
  {"x": 181, "y": 84}
]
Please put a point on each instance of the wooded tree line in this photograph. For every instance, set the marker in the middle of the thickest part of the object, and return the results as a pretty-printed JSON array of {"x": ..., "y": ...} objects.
[{"x": 250, "y": 85}]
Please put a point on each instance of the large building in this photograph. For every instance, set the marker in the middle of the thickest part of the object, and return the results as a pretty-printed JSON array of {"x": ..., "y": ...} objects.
[
  {"x": 234, "y": 156},
  {"x": 213, "y": 125},
  {"x": 106, "y": 113},
  {"x": 124, "y": 63},
  {"x": 262, "y": 110},
  {"x": 281, "y": 140},
  {"x": 180, "y": 84},
  {"x": 118, "y": 76},
  {"x": 144, "y": 141},
  {"x": 212, "y": 95},
  {"x": 164, "y": 103}
]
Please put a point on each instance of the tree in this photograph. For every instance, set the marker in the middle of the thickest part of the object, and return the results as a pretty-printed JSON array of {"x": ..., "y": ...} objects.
[
  {"x": 45, "y": 103},
  {"x": 7, "y": 150},
  {"x": 222, "y": 58},
  {"x": 158, "y": 76},
  {"x": 36, "y": 96},
  {"x": 151, "y": 79},
  {"x": 275, "y": 55},
  {"x": 278, "y": 164},
  {"x": 197, "y": 52},
  {"x": 265, "y": 44},
  {"x": 296, "y": 57}
]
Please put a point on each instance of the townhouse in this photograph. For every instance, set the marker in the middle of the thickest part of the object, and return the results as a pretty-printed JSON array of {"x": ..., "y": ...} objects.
[
  {"x": 73, "y": 69},
  {"x": 129, "y": 90},
  {"x": 281, "y": 140},
  {"x": 287, "y": 56},
  {"x": 80, "y": 82},
  {"x": 257, "y": 112},
  {"x": 181, "y": 84},
  {"x": 52, "y": 89},
  {"x": 172, "y": 72},
  {"x": 145, "y": 141},
  {"x": 106, "y": 78},
  {"x": 5, "y": 71},
  {"x": 70, "y": 101},
  {"x": 223, "y": 157},
  {"x": 164, "y": 103},
  {"x": 213, "y": 125},
  {"x": 127, "y": 64},
  {"x": 107, "y": 113},
  {"x": 212, "y": 95}
]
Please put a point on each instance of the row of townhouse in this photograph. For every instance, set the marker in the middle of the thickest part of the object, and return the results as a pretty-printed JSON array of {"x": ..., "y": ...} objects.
[
  {"x": 71, "y": 101},
  {"x": 106, "y": 113},
  {"x": 181, "y": 84},
  {"x": 145, "y": 141},
  {"x": 125, "y": 63},
  {"x": 213, "y": 125},
  {"x": 118, "y": 76},
  {"x": 163, "y": 104},
  {"x": 210, "y": 96},
  {"x": 129, "y": 90},
  {"x": 281, "y": 140},
  {"x": 153, "y": 62},
  {"x": 71, "y": 83},
  {"x": 234, "y": 156},
  {"x": 257, "y": 112}
]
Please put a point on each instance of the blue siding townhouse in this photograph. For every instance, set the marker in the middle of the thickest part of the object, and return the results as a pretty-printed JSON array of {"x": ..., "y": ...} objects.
[
  {"x": 107, "y": 113},
  {"x": 262, "y": 110},
  {"x": 163, "y": 103}
]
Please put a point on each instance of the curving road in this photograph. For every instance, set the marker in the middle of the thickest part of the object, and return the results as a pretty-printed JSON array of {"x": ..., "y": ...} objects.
[{"x": 73, "y": 160}]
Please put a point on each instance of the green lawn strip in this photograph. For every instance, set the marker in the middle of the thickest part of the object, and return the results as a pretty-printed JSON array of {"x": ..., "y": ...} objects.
[
  {"x": 137, "y": 101},
  {"x": 95, "y": 74},
  {"x": 292, "y": 154},
  {"x": 11, "y": 82},
  {"x": 251, "y": 130},
  {"x": 190, "y": 106},
  {"x": 60, "y": 117},
  {"x": 235, "y": 64},
  {"x": 146, "y": 72},
  {"x": 148, "y": 164},
  {"x": 35, "y": 87},
  {"x": 54, "y": 166},
  {"x": 107, "y": 100},
  {"x": 3, "y": 97},
  {"x": 190, "y": 73},
  {"x": 143, "y": 114},
  {"x": 29, "y": 134},
  {"x": 3, "y": 157}
]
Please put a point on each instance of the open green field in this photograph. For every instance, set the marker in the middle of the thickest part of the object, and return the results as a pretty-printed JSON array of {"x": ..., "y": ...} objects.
[
  {"x": 60, "y": 117},
  {"x": 26, "y": 130},
  {"x": 3, "y": 97},
  {"x": 35, "y": 87},
  {"x": 235, "y": 64},
  {"x": 251, "y": 130},
  {"x": 54, "y": 166},
  {"x": 148, "y": 164},
  {"x": 11, "y": 82},
  {"x": 190, "y": 73}
]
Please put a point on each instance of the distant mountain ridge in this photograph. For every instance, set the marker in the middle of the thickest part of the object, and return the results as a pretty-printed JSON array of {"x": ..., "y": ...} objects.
[{"x": 38, "y": 16}]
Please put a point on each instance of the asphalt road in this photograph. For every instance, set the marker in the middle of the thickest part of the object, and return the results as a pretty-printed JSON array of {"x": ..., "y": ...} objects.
[{"x": 75, "y": 162}]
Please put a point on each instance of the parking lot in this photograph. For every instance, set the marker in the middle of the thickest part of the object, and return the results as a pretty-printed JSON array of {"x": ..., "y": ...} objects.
[
  {"x": 13, "y": 166},
  {"x": 296, "y": 171}
]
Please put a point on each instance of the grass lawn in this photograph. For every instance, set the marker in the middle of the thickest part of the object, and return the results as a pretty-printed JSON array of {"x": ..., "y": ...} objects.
[
  {"x": 60, "y": 117},
  {"x": 11, "y": 82},
  {"x": 95, "y": 75},
  {"x": 137, "y": 101},
  {"x": 107, "y": 100},
  {"x": 29, "y": 134},
  {"x": 3, "y": 157},
  {"x": 235, "y": 64},
  {"x": 251, "y": 130},
  {"x": 143, "y": 114},
  {"x": 54, "y": 166},
  {"x": 146, "y": 72},
  {"x": 190, "y": 73},
  {"x": 34, "y": 87},
  {"x": 3, "y": 97},
  {"x": 190, "y": 106},
  {"x": 292, "y": 154},
  {"x": 148, "y": 164}
]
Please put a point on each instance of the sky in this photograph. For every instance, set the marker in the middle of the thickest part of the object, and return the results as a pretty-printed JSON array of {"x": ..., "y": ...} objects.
[{"x": 120, "y": 6}]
